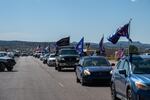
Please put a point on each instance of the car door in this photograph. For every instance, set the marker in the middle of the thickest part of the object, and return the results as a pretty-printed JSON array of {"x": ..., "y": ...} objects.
[
  {"x": 123, "y": 80},
  {"x": 118, "y": 76}
]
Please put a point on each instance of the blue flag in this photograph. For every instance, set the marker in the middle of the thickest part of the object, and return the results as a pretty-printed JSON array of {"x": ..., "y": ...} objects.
[
  {"x": 121, "y": 32},
  {"x": 47, "y": 49},
  {"x": 80, "y": 46}
]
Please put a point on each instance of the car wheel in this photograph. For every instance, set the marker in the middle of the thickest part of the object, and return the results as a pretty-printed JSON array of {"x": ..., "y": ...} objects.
[
  {"x": 59, "y": 68},
  {"x": 77, "y": 80},
  {"x": 10, "y": 69},
  {"x": 113, "y": 92},
  {"x": 2, "y": 67},
  {"x": 82, "y": 82},
  {"x": 44, "y": 62},
  {"x": 55, "y": 68},
  {"x": 129, "y": 94}
]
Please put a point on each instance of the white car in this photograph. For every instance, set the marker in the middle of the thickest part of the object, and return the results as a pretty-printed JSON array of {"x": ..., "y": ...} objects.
[{"x": 51, "y": 60}]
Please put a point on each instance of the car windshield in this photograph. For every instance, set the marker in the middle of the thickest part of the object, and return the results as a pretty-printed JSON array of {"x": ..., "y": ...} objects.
[
  {"x": 68, "y": 52},
  {"x": 46, "y": 55},
  {"x": 53, "y": 55},
  {"x": 3, "y": 54},
  {"x": 95, "y": 62},
  {"x": 141, "y": 66}
]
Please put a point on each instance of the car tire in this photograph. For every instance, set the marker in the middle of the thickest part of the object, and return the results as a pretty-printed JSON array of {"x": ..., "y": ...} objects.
[
  {"x": 10, "y": 69},
  {"x": 77, "y": 80},
  {"x": 55, "y": 68},
  {"x": 82, "y": 82},
  {"x": 129, "y": 94},
  {"x": 44, "y": 62},
  {"x": 59, "y": 68},
  {"x": 113, "y": 92},
  {"x": 2, "y": 67}
]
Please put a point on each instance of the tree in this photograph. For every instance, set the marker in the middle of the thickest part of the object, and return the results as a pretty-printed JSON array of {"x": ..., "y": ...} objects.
[{"x": 133, "y": 49}]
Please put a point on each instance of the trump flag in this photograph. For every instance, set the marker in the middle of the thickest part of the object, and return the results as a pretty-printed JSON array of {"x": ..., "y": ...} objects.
[
  {"x": 80, "y": 46},
  {"x": 121, "y": 32}
]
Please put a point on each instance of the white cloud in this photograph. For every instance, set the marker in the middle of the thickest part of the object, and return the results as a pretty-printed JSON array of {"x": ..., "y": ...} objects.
[{"x": 133, "y": 0}]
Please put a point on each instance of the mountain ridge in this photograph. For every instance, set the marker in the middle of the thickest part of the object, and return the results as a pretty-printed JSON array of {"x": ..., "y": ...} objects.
[{"x": 29, "y": 44}]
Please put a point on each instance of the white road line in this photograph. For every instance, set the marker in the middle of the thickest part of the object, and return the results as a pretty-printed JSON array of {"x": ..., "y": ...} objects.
[{"x": 61, "y": 84}]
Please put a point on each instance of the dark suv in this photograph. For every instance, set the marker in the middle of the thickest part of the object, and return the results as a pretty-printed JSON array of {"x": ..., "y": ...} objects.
[
  {"x": 6, "y": 62},
  {"x": 66, "y": 58}
]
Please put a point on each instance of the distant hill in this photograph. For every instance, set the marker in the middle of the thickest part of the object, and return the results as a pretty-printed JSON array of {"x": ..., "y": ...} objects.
[
  {"x": 22, "y": 45},
  {"x": 31, "y": 45},
  {"x": 123, "y": 44}
]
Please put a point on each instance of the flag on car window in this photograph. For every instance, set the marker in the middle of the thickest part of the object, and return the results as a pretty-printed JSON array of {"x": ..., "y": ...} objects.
[{"x": 80, "y": 46}]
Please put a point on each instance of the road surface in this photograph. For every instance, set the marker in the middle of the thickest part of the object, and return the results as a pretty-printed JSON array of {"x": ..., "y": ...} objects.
[{"x": 32, "y": 80}]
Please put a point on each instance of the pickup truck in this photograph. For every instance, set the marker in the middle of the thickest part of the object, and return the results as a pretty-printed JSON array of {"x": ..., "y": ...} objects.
[
  {"x": 6, "y": 62},
  {"x": 66, "y": 58}
]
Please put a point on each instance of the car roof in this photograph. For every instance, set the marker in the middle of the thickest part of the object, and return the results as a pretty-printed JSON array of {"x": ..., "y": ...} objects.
[
  {"x": 52, "y": 54},
  {"x": 137, "y": 56},
  {"x": 67, "y": 49},
  {"x": 3, "y": 52}
]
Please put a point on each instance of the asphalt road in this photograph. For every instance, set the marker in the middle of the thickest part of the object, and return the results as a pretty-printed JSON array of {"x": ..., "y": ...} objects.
[{"x": 32, "y": 80}]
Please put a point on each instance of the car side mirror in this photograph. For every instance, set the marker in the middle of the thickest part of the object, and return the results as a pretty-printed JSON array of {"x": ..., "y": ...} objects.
[
  {"x": 122, "y": 71},
  {"x": 112, "y": 64}
]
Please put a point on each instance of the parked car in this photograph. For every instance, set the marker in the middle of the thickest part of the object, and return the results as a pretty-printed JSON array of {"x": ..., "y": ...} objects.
[
  {"x": 37, "y": 54},
  {"x": 67, "y": 58},
  {"x": 93, "y": 69},
  {"x": 11, "y": 54},
  {"x": 41, "y": 56},
  {"x": 131, "y": 78},
  {"x": 6, "y": 62},
  {"x": 45, "y": 57},
  {"x": 52, "y": 60},
  {"x": 24, "y": 54},
  {"x": 16, "y": 53}
]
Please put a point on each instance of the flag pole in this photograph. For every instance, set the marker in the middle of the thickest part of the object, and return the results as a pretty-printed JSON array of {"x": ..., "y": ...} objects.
[{"x": 129, "y": 36}]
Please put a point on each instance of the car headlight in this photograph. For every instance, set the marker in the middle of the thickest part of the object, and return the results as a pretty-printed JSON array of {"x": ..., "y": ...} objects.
[
  {"x": 62, "y": 59},
  {"x": 141, "y": 86},
  {"x": 77, "y": 58},
  {"x": 87, "y": 72}
]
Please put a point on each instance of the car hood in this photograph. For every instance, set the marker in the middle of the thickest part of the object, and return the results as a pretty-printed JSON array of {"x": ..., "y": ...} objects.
[
  {"x": 69, "y": 55},
  {"x": 98, "y": 68},
  {"x": 6, "y": 57},
  {"x": 51, "y": 58},
  {"x": 145, "y": 78}
]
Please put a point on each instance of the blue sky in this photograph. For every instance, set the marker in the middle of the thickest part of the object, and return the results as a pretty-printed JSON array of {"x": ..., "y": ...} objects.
[{"x": 50, "y": 20}]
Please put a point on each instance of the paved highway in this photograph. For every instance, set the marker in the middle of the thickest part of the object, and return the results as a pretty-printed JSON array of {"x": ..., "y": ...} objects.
[{"x": 32, "y": 80}]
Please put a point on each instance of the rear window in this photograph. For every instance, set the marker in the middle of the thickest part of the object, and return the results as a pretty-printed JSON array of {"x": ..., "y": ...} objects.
[{"x": 68, "y": 52}]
